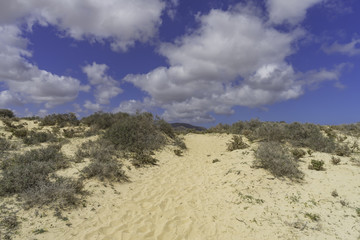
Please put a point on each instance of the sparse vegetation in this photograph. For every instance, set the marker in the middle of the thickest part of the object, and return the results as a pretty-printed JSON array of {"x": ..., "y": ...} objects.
[
  {"x": 31, "y": 175},
  {"x": 317, "y": 165},
  {"x": 335, "y": 160},
  {"x": 61, "y": 120},
  {"x": 313, "y": 217},
  {"x": 39, "y": 137},
  {"x": 178, "y": 152},
  {"x": 334, "y": 193},
  {"x": 298, "y": 153},
  {"x": 236, "y": 143},
  {"x": 277, "y": 159}
]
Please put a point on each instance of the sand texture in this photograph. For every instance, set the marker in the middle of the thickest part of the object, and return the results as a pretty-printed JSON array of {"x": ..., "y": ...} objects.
[{"x": 194, "y": 197}]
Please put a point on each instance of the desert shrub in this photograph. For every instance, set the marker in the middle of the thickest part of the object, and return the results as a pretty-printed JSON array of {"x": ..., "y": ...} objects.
[
  {"x": 343, "y": 150},
  {"x": 236, "y": 143},
  {"x": 105, "y": 168},
  {"x": 39, "y": 137},
  {"x": 103, "y": 164},
  {"x": 31, "y": 176},
  {"x": 69, "y": 133},
  {"x": 63, "y": 192},
  {"x": 62, "y": 120},
  {"x": 26, "y": 171},
  {"x": 298, "y": 153},
  {"x": 6, "y": 113},
  {"x": 135, "y": 133},
  {"x": 335, "y": 160},
  {"x": 317, "y": 165},
  {"x": 277, "y": 159},
  {"x": 20, "y": 133},
  {"x": 178, "y": 142},
  {"x": 141, "y": 159},
  {"x": 9, "y": 223},
  {"x": 165, "y": 128},
  {"x": 178, "y": 152},
  {"x": 101, "y": 120},
  {"x": 5, "y": 145}
]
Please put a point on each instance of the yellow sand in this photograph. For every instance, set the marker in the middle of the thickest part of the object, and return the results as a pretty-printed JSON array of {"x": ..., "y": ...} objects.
[{"x": 190, "y": 197}]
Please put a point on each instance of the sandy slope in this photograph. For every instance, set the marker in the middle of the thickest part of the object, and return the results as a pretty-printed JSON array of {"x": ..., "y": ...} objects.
[{"x": 190, "y": 197}]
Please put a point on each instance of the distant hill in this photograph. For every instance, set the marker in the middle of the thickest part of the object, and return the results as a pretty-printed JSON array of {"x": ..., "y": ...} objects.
[{"x": 186, "y": 126}]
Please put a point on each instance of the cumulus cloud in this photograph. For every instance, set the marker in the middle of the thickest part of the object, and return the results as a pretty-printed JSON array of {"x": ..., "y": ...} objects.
[
  {"x": 351, "y": 49},
  {"x": 7, "y": 98},
  {"x": 92, "y": 106},
  {"x": 26, "y": 80},
  {"x": 122, "y": 22},
  {"x": 133, "y": 106},
  {"x": 233, "y": 59},
  {"x": 289, "y": 11},
  {"x": 106, "y": 86}
]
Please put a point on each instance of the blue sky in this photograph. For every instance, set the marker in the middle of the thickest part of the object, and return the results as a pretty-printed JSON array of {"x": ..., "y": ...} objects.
[{"x": 200, "y": 62}]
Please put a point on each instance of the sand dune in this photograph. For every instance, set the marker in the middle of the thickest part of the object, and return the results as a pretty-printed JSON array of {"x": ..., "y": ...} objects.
[{"x": 194, "y": 197}]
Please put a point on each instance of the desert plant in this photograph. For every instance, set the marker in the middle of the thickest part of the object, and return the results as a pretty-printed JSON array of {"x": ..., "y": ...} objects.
[
  {"x": 6, "y": 113},
  {"x": 61, "y": 120},
  {"x": 298, "y": 153},
  {"x": 178, "y": 152},
  {"x": 5, "y": 145},
  {"x": 277, "y": 159},
  {"x": 314, "y": 217},
  {"x": 135, "y": 133},
  {"x": 165, "y": 128},
  {"x": 317, "y": 165},
  {"x": 39, "y": 137},
  {"x": 236, "y": 143},
  {"x": 178, "y": 142},
  {"x": 358, "y": 211},
  {"x": 334, "y": 193},
  {"x": 20, "y": 133},
  {"x": 343, "y": 150},
  {"x": 335, "y": 160},
  {"x": 141, "y": 159}
]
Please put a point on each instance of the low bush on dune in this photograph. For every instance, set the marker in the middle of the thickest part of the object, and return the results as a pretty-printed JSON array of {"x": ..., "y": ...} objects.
[
  {"x": 236, "y": 143},
  {"x": 5, "y": 145},
  {"x": 61, "y": 120},
  {"x": 103, "y": 163},
  {"x": 101, "y": 120},
  {"x": 137, "y": 133},
  {"x": 39, "y": 137},
  {"x": 278, "y": 160},
  {"x": 32, "y": 176}
]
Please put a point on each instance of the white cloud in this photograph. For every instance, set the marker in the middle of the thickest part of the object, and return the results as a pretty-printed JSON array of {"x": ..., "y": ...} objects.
[
  {"x": 233, "y": 59},
  {"x": 92, "y": 106},
  {"x": 26, "y": 80},
  {"x": 133, "y": 106},
  {"x": 106, "y": 86},
  {"x": 123, "y": 22},
  {"x": 7, "y": 99},
  {"x": 289, "y": 11},
  {"x": 351, "y": 49}
]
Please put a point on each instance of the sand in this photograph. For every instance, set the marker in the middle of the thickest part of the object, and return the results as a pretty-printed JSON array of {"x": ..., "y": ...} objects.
[{"x": 194, "y": 197}]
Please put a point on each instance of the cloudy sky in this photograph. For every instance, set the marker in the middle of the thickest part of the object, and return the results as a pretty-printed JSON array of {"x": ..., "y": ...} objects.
[{"x": 202, "y": 62}]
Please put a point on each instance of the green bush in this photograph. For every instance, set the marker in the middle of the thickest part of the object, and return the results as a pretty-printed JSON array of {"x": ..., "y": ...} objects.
[
  {"x": 39, "y": 137},
  {"x": 31, "y": 175},
  {"x": 140, "y": 159},
  {"x": 103, "y": 165},
  {"x": 277, "y": 159},
  {"x": 343, "y": 150},
  {"x": 236, "y": 143},
  {"x": 6, "y": 113},
  {"x": 298, "y": 153},
  {"x": 317, "y": 165},
  {"x": 5, "y": 145},
  {"x": 101, "y": 120},
  {"x": 62, "y": 120},
  {"x": 165, "y": 128},
  {"x": 20, "y": 133},
  {"x": 136, "y": 133}
]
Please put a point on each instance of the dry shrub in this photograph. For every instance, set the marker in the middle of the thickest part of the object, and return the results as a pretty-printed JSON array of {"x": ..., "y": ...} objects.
[
  {"x": 278, "y": 160},
  {"x": 317, "y": 165},
  {"x": 236, "y": 143}
]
